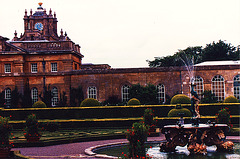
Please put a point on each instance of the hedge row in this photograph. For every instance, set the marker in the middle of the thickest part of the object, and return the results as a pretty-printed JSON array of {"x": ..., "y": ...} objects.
[{"x": 102, "y": 112}]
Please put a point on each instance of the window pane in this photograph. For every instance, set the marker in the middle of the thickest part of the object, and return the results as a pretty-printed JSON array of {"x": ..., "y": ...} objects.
[
  {"x": 34, "y": 95},
  {"x": 161, "y": 93},
  {"x": 34, "y": 67},
  {"x": 92, "y": 92},
  {"x": 236, "y": 86},
  {"x": 218, "y": 87},
  {"x": 125, "y": 93},
  {"x": 8, "y": 96},
  {"x": 54, "y": 96},
  {"x": 53, "y": 67},
  {"x": 7, "y": 68}
]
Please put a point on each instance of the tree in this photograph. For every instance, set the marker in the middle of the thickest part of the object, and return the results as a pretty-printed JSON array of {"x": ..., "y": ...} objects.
[
  {"x": 26, "y": 97},
  {"x": 15, "y": 96},
  {"x": 47, "y": 96},
  {"x": 219, "y": 51},
  {"x": 2, "y": 99},
  {"x": 146, "y": 95},
  {"x": 63, "y": 100},
  {"x": 208, "y": 97},
  {"x": 76, "y": 96}
]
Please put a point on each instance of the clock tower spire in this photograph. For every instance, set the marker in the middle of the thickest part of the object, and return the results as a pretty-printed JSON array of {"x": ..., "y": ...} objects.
[{"x": 39, "y": 26}]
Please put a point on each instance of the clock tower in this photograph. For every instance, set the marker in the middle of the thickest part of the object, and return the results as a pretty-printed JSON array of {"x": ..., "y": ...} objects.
[{"x": 39, "y": 26}]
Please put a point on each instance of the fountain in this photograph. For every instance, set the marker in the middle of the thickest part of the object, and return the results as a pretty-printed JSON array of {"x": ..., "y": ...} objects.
[{"x": 195, "y": 135}]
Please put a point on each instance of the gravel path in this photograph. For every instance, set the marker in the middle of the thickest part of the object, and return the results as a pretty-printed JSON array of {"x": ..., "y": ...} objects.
[{"x": 76, "y": 150}]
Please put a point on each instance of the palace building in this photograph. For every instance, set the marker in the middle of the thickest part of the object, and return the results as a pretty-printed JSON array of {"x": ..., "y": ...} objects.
[{"x": 43, "y": 58}]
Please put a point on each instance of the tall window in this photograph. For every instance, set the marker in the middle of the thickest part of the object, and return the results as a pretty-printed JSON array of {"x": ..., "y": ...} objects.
[
  {"x": 125, "y": 93},
  {"x": 53, "y": 67},
  {"x": 8, "y": 96},
  {"x": 161, "y": 93},
  {"x": 198, "y": 81},
  {"x": 7, "y": 68},
  {"x": 236, "y": 86},
  {"x": 34, "y": 68},
  {"x": 92, "y": 92},
  {"x": 34, "y": 95},
  {"x": 54, "y": 96},
  {"x": 218, "y": 87}
]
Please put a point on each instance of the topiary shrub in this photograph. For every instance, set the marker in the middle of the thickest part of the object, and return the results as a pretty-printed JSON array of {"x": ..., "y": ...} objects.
[
  {"x": 39, "y": 104},
  {"x": 133, "y": 101},
  {"x": 176, "y": 112},
  {"x": 180, "y": 99},
  {"x": 88, "y": 102},
  {"x": 230, "y": 99}
]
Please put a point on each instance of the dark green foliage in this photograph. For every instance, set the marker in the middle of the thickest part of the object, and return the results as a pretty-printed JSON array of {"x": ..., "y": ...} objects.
[
  {"x": 133, "y": 101},
  {"x": 113, "y": 100},
  {"x": 15, "y": 97},
  {"x": 208, "y": 97},
  {"x": 27, "y": 98},
  {"x": 4, "y": 132},
  {"x": 2, "y": 99},
  {"x": 178, "y": 106},
  {"x": 230, "y": 99},
  {"x": 137, "y": 137},
  {"x": 180, "y": 99},
  {"x": 147, "y": 94},
  {"x": 51, "y": 126},
  {"x": 32, "y": 124},
  {"x": 47, "y": 96},
  {"x": 63, "y": 100},
  {"x": 212, "y": 52},
  {"x": 148, "y": 118},
  {"x": 177, "y": 112},
  {"x": 89, "y": 102},
  {"x": 76, "y": 96},
  {"x": 223, "y": 116},
  {"x": 39, "y": 104}
]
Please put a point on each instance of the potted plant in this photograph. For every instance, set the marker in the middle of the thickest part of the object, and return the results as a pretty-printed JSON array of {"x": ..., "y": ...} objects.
[
  {"x": 32, "y": 131},
  {"x": 5, "y": 145}
]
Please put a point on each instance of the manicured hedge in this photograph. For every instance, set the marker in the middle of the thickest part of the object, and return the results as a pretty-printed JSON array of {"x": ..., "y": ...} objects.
[{"x": 102, "y": 112}]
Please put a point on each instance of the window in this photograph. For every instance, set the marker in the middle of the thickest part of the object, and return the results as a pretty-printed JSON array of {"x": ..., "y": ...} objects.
[
  {"x": 7, "y": 68},
  {"x": 34, "y": 68},
  {"x": 34, "y": 95},
  {"x": 218, "y": 87},
  {"x": 199, "y": 86},
  {"x": 161, "y": 93},
  {"x": 8, "y": 96},
  {"x": 54, "y": 96},
  {"x": 236, "y": 86},
  {"x": 53, "y": 67},
  {"x": 92, "y": 92},
  {"x": 125, "y": 93}
]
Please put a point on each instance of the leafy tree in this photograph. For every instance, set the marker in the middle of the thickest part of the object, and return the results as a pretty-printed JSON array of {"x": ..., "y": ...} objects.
[
  {"x": 26, "y": 97},
  {"x": 146, "y": 95},
  {"x": 76, "y": 96},
  {"x": 2, "y": 98},
  {"x": 63, "y": 100},
  {"x": 15, "y": 96},
  {"x": 208, "y": 97},
  {"x": 112, "y": 100},
  {"x": 47, "y": 96}
]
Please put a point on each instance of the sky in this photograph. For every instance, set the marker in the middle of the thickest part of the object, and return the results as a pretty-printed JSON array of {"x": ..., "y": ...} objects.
[{"x": 126, "y": 33}]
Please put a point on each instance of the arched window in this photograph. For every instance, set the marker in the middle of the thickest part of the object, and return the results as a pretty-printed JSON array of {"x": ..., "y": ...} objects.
[
  {"x": 236, "y": 86},
  {"x": 198, "y": 81},
  {"x": 92, "y": 92},
  {"x": 8, "y": 96},
  {"x": 161, "y": 93},
  {"x": 125, "y": 93},
  {"x": 218, "y": 87},
  {"x": 54, "y": 96},
  {"x": 34, "y": 95}
]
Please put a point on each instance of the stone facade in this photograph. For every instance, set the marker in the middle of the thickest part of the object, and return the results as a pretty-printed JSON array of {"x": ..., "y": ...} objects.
[{"x": 41, "y": 57}]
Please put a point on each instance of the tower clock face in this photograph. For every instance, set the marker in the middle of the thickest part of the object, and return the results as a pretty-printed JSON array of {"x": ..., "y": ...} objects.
[{"x": 38, "y": 26}]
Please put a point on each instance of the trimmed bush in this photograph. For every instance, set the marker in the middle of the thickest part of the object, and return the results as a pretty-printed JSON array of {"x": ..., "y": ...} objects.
[
  {"x": 88, "y": 102},
  {"x": 176, "y": 112},
  {"x": 180, "y": 99},
  {"x": 230, "y": 99},
  {"x": 133, "y": 101},
  {"x": 39, "y": 104}
]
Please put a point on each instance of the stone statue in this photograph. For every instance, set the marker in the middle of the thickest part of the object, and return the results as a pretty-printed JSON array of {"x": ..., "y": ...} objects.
[{"x": 194, "y": 103}]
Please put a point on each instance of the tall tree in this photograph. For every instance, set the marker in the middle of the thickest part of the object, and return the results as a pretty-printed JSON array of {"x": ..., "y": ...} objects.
[
  {"x": 76, "y": 96},
  {"x": 15, "y": 97},
  {"x": 47, "y": 96},
  {"x": 26, "y": 97}
]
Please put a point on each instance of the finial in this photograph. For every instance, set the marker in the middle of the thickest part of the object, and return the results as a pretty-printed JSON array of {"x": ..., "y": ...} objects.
[
  {"x": 54, "y": 14},
  {"x": 40, "y": 3},
  {"x": 50, "y": 11},
  {"x": 25, "y": 12},
  {"x": 40, "y": 6},
  {"x": 45, "y": 11},
  {"x": 61, "y": 32},
  {"x": 15, "y": 33},
  {"x": 65, "y": 33},
  {"x": 30, "y": 11}
]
